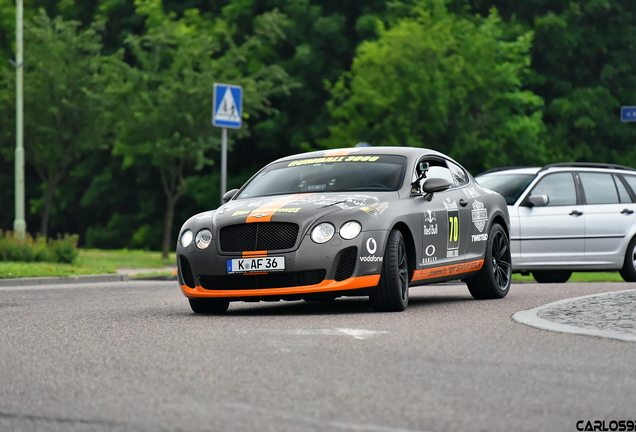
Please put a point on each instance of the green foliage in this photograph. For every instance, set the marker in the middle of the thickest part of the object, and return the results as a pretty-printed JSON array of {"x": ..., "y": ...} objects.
[
  {"x": 448, "y": 74},
  {"x": 435, "y": 80},
  {"x": 28, "y": 249},
  {"x": 167, "y": 92},
  {"x": 66, "y": 98}
]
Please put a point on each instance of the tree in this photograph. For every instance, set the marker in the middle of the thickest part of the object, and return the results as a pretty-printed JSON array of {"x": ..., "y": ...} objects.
[
  {"x": 65, "y": 100},
  {"x": 165, "y": 119},
  {"x": 440, "y": 81}
]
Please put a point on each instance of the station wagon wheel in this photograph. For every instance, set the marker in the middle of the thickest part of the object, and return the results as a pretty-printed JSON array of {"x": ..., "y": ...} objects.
[
  {"x": 494, "y": 278},
  {"x": 392, "y": 293},
  {"x": 628, "y": 272},
  {"x": 551, "y": 276},
  {"x": 208, "y": 306}
]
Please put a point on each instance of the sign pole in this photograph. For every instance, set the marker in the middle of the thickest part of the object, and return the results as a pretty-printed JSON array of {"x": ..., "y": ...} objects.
[
  {"x": 227, "y": 112},
  {"x": 19, "y": 224},
  {"x": 223, "y": 162}
]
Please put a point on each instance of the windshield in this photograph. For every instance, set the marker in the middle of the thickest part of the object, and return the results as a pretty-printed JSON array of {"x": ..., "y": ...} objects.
[
  {"x": 511, "y": 186},
  {"x": 328, "y": 174}
]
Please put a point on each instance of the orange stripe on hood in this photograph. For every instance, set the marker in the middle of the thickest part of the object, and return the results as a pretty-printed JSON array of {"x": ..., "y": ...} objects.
[{"x": 265, "y": 212}]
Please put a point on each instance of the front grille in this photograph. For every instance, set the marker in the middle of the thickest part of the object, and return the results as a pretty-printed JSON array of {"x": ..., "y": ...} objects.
[
  {"x": 346, "y": 264},
  {"x": 258, "y": 236},
  {"x": 186, "y": 271},
  {"x": 262, "y": 281}
]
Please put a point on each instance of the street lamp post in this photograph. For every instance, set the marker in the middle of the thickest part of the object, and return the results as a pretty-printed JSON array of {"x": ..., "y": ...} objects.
[{"x": 19, "y": 224}]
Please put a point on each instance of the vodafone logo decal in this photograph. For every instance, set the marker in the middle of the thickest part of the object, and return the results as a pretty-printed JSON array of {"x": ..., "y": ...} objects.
[{"x": 372, "y": 246}]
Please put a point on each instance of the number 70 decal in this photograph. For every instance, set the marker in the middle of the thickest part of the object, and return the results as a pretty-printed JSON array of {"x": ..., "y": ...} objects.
[{"x": 453, "y": 229}]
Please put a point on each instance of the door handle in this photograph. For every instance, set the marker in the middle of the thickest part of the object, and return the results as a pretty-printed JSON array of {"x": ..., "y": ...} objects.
[
  {"x": 627, "y": 211},
  {"x": 576, "y": 213},
  {"x": 463, "y": 202}
]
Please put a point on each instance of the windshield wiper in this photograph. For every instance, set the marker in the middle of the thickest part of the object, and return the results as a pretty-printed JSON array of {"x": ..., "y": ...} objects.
[{"x": 334, "y": 203}]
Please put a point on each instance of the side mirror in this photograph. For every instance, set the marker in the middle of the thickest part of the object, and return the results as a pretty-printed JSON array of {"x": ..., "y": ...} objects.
[
  {"x": 435, "y": 185},
  {"x": 229, "y": 195},
  {"x": 538, "y": 200}
]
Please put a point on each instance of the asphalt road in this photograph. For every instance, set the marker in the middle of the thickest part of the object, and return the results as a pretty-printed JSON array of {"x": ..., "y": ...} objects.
[{"x": 130, "y": 356}]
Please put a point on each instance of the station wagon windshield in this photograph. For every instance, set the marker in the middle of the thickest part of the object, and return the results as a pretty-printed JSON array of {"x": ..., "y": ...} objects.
[
  {"x": 329, "y": 174},
  {"x": 511, "y": 186}
]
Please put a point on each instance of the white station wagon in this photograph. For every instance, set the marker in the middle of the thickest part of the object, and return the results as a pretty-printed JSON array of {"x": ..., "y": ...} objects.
[{"x": 567, "y": 217}]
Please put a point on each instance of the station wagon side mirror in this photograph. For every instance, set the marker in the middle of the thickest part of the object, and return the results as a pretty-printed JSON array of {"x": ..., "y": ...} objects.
[
  {"x": 537, "y": 201},
  {"x": 229, "y": 195},
  {"x": 433, "y": 185}
]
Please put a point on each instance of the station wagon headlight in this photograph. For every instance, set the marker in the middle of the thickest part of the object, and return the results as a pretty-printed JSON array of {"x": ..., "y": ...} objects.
[
  {"x": 350, "y": 230},
  {"x": 323, "y": 232},
  {"x": 204, "y": 237},
  {"x": 186, "y": 238}
]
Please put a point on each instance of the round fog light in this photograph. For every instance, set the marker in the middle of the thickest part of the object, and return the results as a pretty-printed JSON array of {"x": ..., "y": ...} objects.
[
  {"x": 204, "y": 237},
  {"x": 350, "y": 230},
  {"x": 186, "y": 238},
  {"x": 323, "y": 232}
]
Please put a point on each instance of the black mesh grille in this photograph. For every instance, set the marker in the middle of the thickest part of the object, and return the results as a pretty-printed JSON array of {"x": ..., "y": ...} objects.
[
  {"x": 258, "y": 236},
  {"x": 186, "y": 271},
  {"x": 262, "y": 281},
  {"x": 347, "y": 264}
]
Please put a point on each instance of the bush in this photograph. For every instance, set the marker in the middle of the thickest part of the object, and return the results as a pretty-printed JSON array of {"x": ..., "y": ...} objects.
[{"x": 27, "y": 249}]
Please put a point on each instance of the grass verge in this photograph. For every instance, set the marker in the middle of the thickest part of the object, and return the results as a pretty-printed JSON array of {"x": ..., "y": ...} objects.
[
  {"x": 579, "y": 277},
  {"x": 90, "y": 261}
]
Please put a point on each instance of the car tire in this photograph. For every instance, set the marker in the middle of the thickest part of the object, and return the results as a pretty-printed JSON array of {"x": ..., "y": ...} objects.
[
  {"x": 392, "y": 293},
  {"x": 208, "y": 306},
  {"x": 494, "y": 279},
  {"x": 551, "y": 276},
  {"x": 628, "y": 272}
]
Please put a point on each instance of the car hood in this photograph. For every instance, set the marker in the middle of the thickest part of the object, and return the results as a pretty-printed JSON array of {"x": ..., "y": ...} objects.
[{"x": 295, "y": 207}]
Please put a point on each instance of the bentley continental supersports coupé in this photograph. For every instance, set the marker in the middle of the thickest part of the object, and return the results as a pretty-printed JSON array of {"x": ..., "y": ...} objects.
[{"x": 364, "y": 221}]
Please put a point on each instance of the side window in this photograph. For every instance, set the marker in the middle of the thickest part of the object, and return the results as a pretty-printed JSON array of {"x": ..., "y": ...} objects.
[
  {"x": 440, "y": 172},
  {"x": 631, "y": 181},
  {"x": 459, "y": 175},
  {"x": 599, "y": 188},
  {"x": 622, "y": 190},
  {"x": 559, "y": 188},
  {"x": 436, "y": 169}
]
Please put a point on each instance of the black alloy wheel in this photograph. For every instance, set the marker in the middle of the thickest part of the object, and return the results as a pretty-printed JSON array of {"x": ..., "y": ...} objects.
[
  {"x": 494, "y": 279},
  {"x": 392, "y": 293}
]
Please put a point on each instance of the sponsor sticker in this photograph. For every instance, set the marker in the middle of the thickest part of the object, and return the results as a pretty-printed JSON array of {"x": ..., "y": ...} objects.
[
  {"x": 480, "y": 215},
  {"x": 372, "y": 247},
  {"x": 429, "y": 252},
  {"x": 375, "y": 210},
  {"x": 430, "y": 229}
]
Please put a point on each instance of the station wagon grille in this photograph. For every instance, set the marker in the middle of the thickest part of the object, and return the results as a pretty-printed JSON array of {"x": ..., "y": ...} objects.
[
  {"x": 258, "y": 236},
  {"x": 262, "y": 281}
]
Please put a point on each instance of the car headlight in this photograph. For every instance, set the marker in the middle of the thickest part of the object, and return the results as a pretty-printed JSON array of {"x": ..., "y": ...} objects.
[
  {"x": 204, "y": 237},
  {"x": 350, "y": 230},
  {"x": 323, "y": 232},
  {"x": 186, "y": 238}
]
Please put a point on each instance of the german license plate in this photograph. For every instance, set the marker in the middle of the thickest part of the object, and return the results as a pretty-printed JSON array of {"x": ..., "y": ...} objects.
[{"x": 260, "y": 264}]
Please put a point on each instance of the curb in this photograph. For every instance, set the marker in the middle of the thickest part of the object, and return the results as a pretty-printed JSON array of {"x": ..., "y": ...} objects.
[
  {"x": 56, "y": 280},
  {"x": 530, "y": 318}
]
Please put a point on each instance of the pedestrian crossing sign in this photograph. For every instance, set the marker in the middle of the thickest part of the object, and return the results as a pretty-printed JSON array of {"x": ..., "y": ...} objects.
[{"x": 227, "y": 106}]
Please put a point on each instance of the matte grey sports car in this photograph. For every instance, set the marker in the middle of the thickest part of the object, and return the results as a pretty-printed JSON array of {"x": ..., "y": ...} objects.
[{"x": 364, "y": 221}]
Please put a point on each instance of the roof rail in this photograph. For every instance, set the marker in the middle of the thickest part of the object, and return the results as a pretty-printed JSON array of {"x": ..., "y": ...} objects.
[
  {"x": 587, "y": 165},
  {"x": 492, "y": 170}
]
